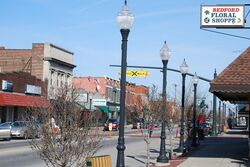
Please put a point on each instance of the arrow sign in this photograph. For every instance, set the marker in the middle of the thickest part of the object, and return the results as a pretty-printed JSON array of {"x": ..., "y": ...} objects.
[{"x": 140, "y": 73}]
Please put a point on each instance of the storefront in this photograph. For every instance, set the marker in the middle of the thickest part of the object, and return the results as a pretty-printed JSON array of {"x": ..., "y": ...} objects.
[
  {"x": 12, "y": 105},
  {"x": 19, "y": 91}
]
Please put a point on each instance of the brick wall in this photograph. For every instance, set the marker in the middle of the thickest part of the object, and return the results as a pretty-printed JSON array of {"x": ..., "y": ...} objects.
[
  {"x": 135, "y": 94},
  {"x": 20, "y": 79},
  {"x": 27, "y": 60}
]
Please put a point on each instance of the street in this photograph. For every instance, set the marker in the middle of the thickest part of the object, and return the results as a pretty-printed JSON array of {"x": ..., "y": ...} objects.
[
  {"x": 226, "y": 150},
  {"x": 17, "y": 152}
]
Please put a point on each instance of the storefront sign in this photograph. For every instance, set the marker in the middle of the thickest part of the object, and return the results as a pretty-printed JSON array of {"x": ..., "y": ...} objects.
[
  {"x": 7, "y": 85},
  {"x": 82, "y": 98},
  {"x": 99, "y": 102},
  {"x": 33, "y": 89},
  {"x": 213, "y": 16}
]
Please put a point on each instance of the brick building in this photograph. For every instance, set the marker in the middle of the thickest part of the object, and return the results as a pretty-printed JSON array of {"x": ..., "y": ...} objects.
[
  {"x": 20, "y": 90},
  {"x": 47, "y": 62},
  {"x": 107, "y": 94}
]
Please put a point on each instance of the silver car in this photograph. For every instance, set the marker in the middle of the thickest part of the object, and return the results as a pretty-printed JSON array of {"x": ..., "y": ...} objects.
[
  {"x": 5, "y": 129},
  {"x": 25, "y": 129}
]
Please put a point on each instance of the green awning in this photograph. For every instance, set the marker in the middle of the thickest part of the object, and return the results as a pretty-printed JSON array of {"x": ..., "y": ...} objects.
[{"x": 104, "y": 109}]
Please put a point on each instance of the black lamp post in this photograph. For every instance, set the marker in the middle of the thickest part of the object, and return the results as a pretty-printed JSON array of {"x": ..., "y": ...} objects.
[
  {"x": 164, "y": 52},
  {"x": 125, "y": 20},
  {"x": 214, "y": 133},
  {"x": 219, "y": 117},
  {"x": 184, "y": 70},
  {"x": 195, "y": 82}
]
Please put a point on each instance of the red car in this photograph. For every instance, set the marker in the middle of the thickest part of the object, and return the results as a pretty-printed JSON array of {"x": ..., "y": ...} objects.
[{"x": 115, "y": 124}]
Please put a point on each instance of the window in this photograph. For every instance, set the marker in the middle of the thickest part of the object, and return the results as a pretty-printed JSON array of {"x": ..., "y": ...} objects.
[
  {"x": 51, "y": 78},
  {"x": 109, "y": 93},
  {"x": 67, "y": 79},
  {"x": 62, "y": 80},
  {"x": 58, "y": 79}
]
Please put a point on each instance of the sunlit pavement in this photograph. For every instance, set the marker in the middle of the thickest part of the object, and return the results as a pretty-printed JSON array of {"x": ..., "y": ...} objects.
[{"x": 227, "y": 150}]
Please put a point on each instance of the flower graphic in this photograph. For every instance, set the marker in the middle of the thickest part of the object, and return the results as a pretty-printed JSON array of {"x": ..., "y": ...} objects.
[{"x": 207, "y": 12}]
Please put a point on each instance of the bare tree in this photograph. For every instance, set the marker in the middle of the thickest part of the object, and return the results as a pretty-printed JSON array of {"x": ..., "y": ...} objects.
[
  {"x": 152, "y": 113},
  {"x": 68, "y": 133}
]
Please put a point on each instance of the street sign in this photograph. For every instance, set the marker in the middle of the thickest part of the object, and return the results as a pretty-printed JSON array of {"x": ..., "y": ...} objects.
[
  {"x": 137, "y": 73},
  {"x": 213, "y": 16}
]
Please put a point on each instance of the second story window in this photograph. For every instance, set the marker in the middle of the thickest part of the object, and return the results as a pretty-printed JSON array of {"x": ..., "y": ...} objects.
[
  {"x": 51, "y": 78},
  {"x": 62, "y": 80},
  {"x": 58, "y": 79}
]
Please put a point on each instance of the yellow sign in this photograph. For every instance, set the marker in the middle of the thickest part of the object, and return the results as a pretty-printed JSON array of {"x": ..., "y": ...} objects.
[{"x": 140, "y": 73}]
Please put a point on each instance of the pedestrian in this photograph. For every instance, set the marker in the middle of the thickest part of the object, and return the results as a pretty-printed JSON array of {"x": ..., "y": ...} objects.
[{"x": 151, "y": 128}]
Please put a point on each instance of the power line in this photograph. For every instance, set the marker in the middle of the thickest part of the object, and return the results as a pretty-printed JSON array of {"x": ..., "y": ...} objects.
[
  {"x": 232, "y": 35},
  {"x": 247, "y": 14}
]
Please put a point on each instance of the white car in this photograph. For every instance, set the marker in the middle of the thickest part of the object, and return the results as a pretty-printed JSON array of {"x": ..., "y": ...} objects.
[{"x": 5, "y": 129}]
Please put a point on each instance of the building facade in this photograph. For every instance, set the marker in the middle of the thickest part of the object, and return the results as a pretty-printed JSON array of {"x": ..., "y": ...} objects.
[
  {"x": 50, "y": 63},
  {"x": 20, "y": 90},
  {"x": 107, "y": 94}
]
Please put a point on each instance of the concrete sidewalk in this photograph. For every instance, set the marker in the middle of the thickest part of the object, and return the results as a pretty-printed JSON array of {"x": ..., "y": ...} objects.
[
  {"x": 136, "y": 148},
  {"x": 227, "y": 150}
]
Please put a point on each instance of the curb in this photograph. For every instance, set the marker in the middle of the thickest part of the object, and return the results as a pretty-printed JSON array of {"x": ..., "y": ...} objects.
[{"x": 177, "y": 160}]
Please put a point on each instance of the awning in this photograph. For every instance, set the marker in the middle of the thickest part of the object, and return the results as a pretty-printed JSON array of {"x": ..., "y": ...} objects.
[
  {"x": 106, "y": 109},
  {"x": 103, "y": 108},
  {"x": 233, "y": 83},
  {"x": 11, "y": 99}
]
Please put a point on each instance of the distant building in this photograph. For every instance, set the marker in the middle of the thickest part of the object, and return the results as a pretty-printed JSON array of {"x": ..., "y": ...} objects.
[
  {"x": 47, "y": 62},
  {"x": 103, "y": 93}
]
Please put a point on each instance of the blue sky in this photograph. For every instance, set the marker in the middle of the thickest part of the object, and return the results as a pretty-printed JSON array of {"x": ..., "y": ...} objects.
[{"x": 88, "y": 28}]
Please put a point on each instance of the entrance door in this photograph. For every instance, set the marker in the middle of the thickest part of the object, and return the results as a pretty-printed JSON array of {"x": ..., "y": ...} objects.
[
  {"x": 10, "y": 114},
  {"x": 3, "y": 114},
  {"x": 15, "y": 113}
]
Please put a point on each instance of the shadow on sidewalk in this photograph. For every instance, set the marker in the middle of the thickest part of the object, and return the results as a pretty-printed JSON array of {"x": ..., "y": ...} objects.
[{"x": 233, "y": 145}]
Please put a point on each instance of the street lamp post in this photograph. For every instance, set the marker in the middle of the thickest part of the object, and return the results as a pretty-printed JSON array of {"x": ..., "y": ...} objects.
[
  {"x": 214, "y": 133},
  {"x": 219, "y": 117},
  {"x": 125, "y": 20},
  {"x": 195, "y": 82},
  {"x": 164, "y": 52},
  {"x": 114, "y": 102},
  {"x": 184, "y": 70}
]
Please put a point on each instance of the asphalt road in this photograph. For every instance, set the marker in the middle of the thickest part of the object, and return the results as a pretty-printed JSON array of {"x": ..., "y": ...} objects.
[{"x": 17, "y": 152}]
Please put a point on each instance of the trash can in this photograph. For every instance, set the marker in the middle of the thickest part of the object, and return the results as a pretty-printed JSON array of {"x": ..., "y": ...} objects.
[{"x": 99, "y": 161}]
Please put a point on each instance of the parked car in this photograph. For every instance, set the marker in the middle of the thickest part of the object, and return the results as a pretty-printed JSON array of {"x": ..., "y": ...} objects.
[
  {"x": 5, "y": 129},
  {"x": 115, "y": 124},
  {"x": 25, "y": 129}
]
